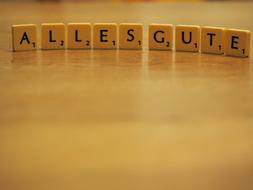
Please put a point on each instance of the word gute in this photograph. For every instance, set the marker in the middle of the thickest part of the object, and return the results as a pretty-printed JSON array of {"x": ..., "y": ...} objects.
[{"x": 216, "y": 40}]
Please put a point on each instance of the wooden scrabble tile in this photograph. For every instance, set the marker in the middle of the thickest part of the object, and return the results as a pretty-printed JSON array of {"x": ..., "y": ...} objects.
[
  {"x": 237, "y": 42},
  {"x": 79, "y": 35},
  {"x": 187, "y": 38},
  {"x": 105, "y": 36},
  {"x": 24, "y": 37},
  {"x": 212, "y": 40},
  {"x": 160, "y": 36},
  {"x": 53, "y": 36},
  {"x": 130, "y": 36}
]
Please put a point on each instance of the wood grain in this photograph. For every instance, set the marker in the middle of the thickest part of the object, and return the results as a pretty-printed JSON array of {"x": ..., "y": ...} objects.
[{"x": 125, "y": 119}]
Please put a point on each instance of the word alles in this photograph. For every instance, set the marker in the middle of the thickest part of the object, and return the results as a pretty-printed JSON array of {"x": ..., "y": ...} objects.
[{"x": 191, "y": 38}]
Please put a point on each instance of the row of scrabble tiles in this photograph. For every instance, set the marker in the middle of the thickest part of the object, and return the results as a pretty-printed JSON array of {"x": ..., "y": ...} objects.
[{"x": 216, "y": 40}]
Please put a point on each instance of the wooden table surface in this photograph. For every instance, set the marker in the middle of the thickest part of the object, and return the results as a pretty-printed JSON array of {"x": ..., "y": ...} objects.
[{"x": 151, "y": 120}]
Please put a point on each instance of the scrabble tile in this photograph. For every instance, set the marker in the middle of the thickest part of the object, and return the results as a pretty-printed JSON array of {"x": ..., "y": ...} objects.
[
  {"x": 24, "y": 37},
  {"x": 187, "y": 38},
  {"x": 53, "y": 36},
  {"x": 105, "y": 36},
  {"x": 160, "y": 36},
  {"x": 130, "y": 36},
  {"x": 79, "y": 35},
  {"x": 212, "y": 40},
  {"x": 237, "y": 42}
]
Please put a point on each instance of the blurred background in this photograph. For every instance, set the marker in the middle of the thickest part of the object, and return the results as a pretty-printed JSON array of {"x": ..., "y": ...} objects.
[{"x": 129, "y": 0}]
